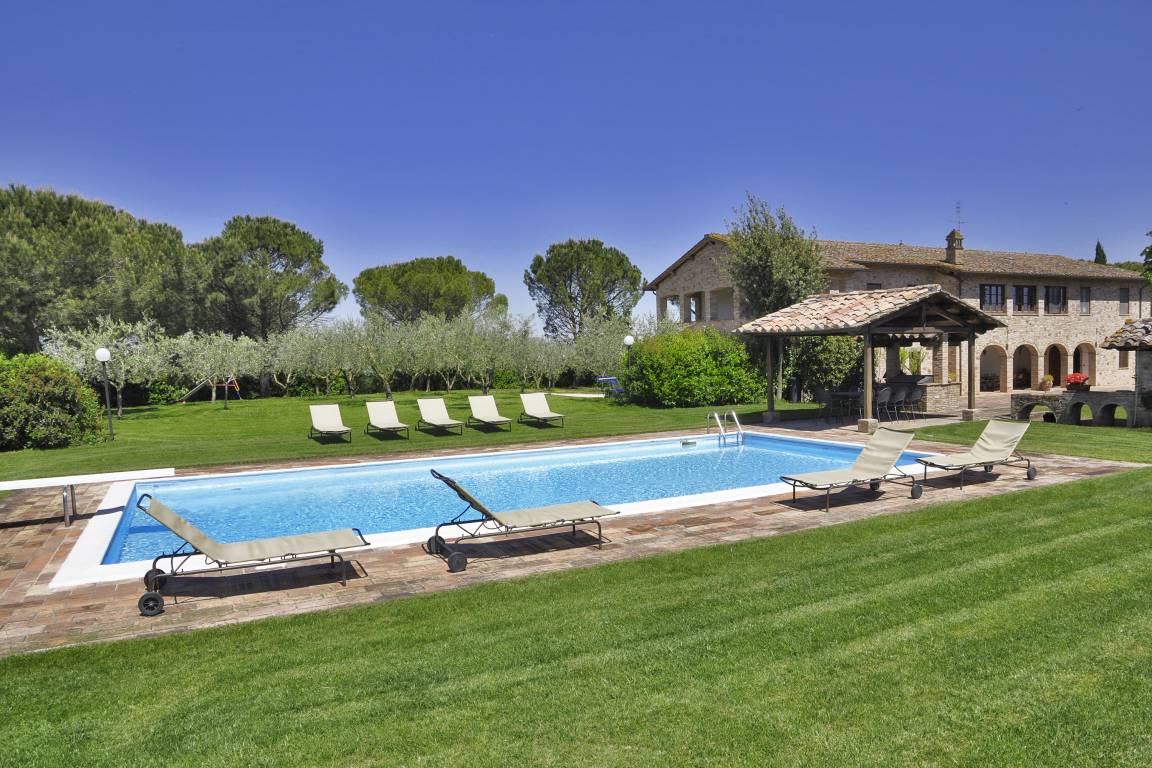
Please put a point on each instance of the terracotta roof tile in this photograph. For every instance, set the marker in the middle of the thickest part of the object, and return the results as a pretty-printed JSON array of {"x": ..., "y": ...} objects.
[
  {"x": 850, "y": 312},
  {"x": 1136, "y": 334}
]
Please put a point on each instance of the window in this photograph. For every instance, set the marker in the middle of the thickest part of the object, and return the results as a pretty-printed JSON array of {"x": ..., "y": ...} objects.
[
  {"x": 721, "y": 305},
  {"x": 1055, "y": 300},
  {"x": 1124, "y": 357},
  {"x": 1123, "y": 298},
  {"x": 992, "y": 298},
  {"x": 872, "y": 286},
  {"x": 1085, "y": 300},
  {"x": 1025, "y": 298},
  {"x": 671, "y": 306}
]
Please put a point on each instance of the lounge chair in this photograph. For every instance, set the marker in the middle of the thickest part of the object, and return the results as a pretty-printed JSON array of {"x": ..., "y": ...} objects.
[
  {"x": 326, "y": 422},
  {"x": 536, "y": 409},
  {"x": 875, "y": 464},
  {"x": 382, "y": 418},
  {"x": 515, "y": 521},
  {"x": 995, "y": 446},
  {"x": 433, "y": 413},
  {"x": 484, "y": 411},
  {"x": 239, "y": 554}
]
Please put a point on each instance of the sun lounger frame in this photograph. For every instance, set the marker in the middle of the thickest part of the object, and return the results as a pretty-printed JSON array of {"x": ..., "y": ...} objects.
[
  {"x": 897, "y": 476},
  {"x": 371, "y": 428},
  {"x": 883, "y": 442},
  {"x": 421, "y": 423},
  {"x": 526, "y": 418},
  {"x": 487, "y": 526},
  {"x": 154, "y": 578},
  {"x": 475, "y": 421},
  {"x": 1015, "y": 459}
]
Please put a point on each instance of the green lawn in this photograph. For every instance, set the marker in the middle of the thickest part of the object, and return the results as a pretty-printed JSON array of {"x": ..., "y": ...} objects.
[
  {"x": 1117, "y": 443},
  {"x": 204, "y": 434},
  {"x": 1008, "y": 631}
]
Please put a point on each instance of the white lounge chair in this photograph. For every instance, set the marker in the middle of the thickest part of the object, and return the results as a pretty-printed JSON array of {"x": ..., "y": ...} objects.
[
  {"x": 875, "y": 464},
  {"x": 492, "y": 523},
  {"x": 536, "y": 409},
  {"x": 326, "y": 422},
  {"x": 382, "y": 418},
  {"x": 433, "y": 413},
  {"x": 484, "y": 411},
  {"x": 995, "y": 446},
  {"x": 223, "y": 556}
]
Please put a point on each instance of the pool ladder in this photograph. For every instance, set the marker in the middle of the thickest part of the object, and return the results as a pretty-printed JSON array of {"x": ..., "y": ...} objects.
[{"x": 723, "y": 434}]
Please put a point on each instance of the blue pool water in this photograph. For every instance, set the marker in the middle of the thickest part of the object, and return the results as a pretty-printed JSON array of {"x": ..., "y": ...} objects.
[{"x": 397, "y": 496}]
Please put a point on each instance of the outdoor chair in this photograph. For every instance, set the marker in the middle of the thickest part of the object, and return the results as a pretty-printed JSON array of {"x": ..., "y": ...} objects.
[
  {"x": 895, "y": 403},
  {"x": 880, "y": 402},
  {"x": 382, "y": 418},
  {"x": 536, "y": 409},
  {"x": 326, "y": 422},
  {"x": 875, "y": 464},
  {"x": 434, "y": 414},
  {"x": 232, "y": 555},
  {"x": 491, "y": 523},
  {"x": 996, "y": 446},
  {"x": 914, "y": 402},
  {"x": 483, "y": 408}
]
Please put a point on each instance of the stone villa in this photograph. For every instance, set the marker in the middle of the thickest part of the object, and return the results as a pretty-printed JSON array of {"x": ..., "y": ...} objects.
[{"x": 1057, "y": 310}]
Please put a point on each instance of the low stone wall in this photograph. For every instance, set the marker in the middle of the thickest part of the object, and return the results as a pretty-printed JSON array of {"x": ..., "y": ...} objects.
[
  {"x": 943, "y": 399},
  {"x": 1068, "y": 407}
]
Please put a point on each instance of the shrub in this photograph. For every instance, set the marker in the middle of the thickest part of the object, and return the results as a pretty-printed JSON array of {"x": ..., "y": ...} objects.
[
  {"x": 827, "y": 361},
  {"x": 44, "y": 404},
  {"x": 692, "y": 367}
]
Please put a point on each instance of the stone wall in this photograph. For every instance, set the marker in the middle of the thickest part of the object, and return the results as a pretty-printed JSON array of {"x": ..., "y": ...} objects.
[{"x": 1077, "y": 407}]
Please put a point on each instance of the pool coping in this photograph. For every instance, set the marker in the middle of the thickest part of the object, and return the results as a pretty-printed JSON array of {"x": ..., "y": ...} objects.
[{"x": 83, "y": 566}]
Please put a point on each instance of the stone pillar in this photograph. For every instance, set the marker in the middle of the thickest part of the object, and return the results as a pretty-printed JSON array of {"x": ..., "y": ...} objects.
[
  {"x": 892, "y": 362},
  {"x": 939, "y": 361}
]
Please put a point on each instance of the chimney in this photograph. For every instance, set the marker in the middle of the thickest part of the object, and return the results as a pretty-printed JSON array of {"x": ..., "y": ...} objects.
[{"x": 955, "y": 244}]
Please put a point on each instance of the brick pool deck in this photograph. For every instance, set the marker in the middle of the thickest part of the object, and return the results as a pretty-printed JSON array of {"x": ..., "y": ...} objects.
[{"x": 34, "y": 542}]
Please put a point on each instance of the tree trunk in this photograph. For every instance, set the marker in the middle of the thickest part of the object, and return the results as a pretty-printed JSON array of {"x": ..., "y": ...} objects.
[
  {"x": 265, "y": 384},
  {"x": 120, "y": 402}
]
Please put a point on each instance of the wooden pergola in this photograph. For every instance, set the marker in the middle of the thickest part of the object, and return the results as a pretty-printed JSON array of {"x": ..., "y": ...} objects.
[{"x": 895, "y": 316}]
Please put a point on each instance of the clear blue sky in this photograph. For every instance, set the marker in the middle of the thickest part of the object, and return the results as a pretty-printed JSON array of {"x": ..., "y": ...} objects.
[{"x": 489, "y": 130}]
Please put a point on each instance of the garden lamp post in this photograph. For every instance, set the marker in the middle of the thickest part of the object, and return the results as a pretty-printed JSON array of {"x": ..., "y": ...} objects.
[
  {"x": 102, "y": 357},
  {"x": 629, "y": 340}
]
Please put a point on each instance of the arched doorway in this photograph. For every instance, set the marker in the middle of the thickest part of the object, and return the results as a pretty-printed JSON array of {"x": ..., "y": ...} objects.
[
  {"x": 1025, "y": 368},
  {"x": 994, "y": 369},
  {"x": 1056, "y": 363},
  {"x": 1084, "y": 361}
]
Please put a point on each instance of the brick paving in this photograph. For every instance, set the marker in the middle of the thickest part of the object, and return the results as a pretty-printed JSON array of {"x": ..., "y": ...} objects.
[{"x": 34, "y": 542}]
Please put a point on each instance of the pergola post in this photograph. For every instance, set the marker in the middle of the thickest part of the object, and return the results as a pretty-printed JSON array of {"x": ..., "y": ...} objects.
[
  {"x": 771, "y": 415},
  {"x": 969, "y": 413},
  {"x": 867, "y": 423}
]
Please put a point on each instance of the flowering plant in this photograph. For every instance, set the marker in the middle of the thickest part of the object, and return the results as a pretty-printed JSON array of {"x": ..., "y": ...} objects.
[{"x": 1077, "y": 378}]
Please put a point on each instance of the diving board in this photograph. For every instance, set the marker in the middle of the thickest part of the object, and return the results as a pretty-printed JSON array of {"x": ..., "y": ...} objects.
[{"x": 68, "y": 483}]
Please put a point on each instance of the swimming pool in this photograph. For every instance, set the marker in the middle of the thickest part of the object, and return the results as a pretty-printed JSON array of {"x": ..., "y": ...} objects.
[{"x": 399, "y": 496}]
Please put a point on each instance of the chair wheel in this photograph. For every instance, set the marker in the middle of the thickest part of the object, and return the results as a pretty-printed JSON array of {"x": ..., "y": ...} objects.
[
  {"x": 1031, "y": 473},
  {"x": 435, "y": 545},
  {"x": 457, "y": 562},
  {"x": 151, "y": 604},
  {"x": 153, "y": 573},
  {"x": 874, "y": 485},
  {"x": 987, "y": 467},
  {"x": 917, "y": 490}
]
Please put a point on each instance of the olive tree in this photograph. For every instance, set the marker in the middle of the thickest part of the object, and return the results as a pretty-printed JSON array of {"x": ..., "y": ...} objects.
[{"x": 140, "y": 352}]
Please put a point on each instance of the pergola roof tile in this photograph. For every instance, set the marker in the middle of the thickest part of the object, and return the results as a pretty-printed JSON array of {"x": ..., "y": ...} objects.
[
  {"x": 1136, "y": 334},
  {"x": 849, "y": 313}
]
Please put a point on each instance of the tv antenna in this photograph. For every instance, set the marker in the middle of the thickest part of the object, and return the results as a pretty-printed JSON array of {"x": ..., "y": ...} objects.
[{"x": 959, "y": 219}]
